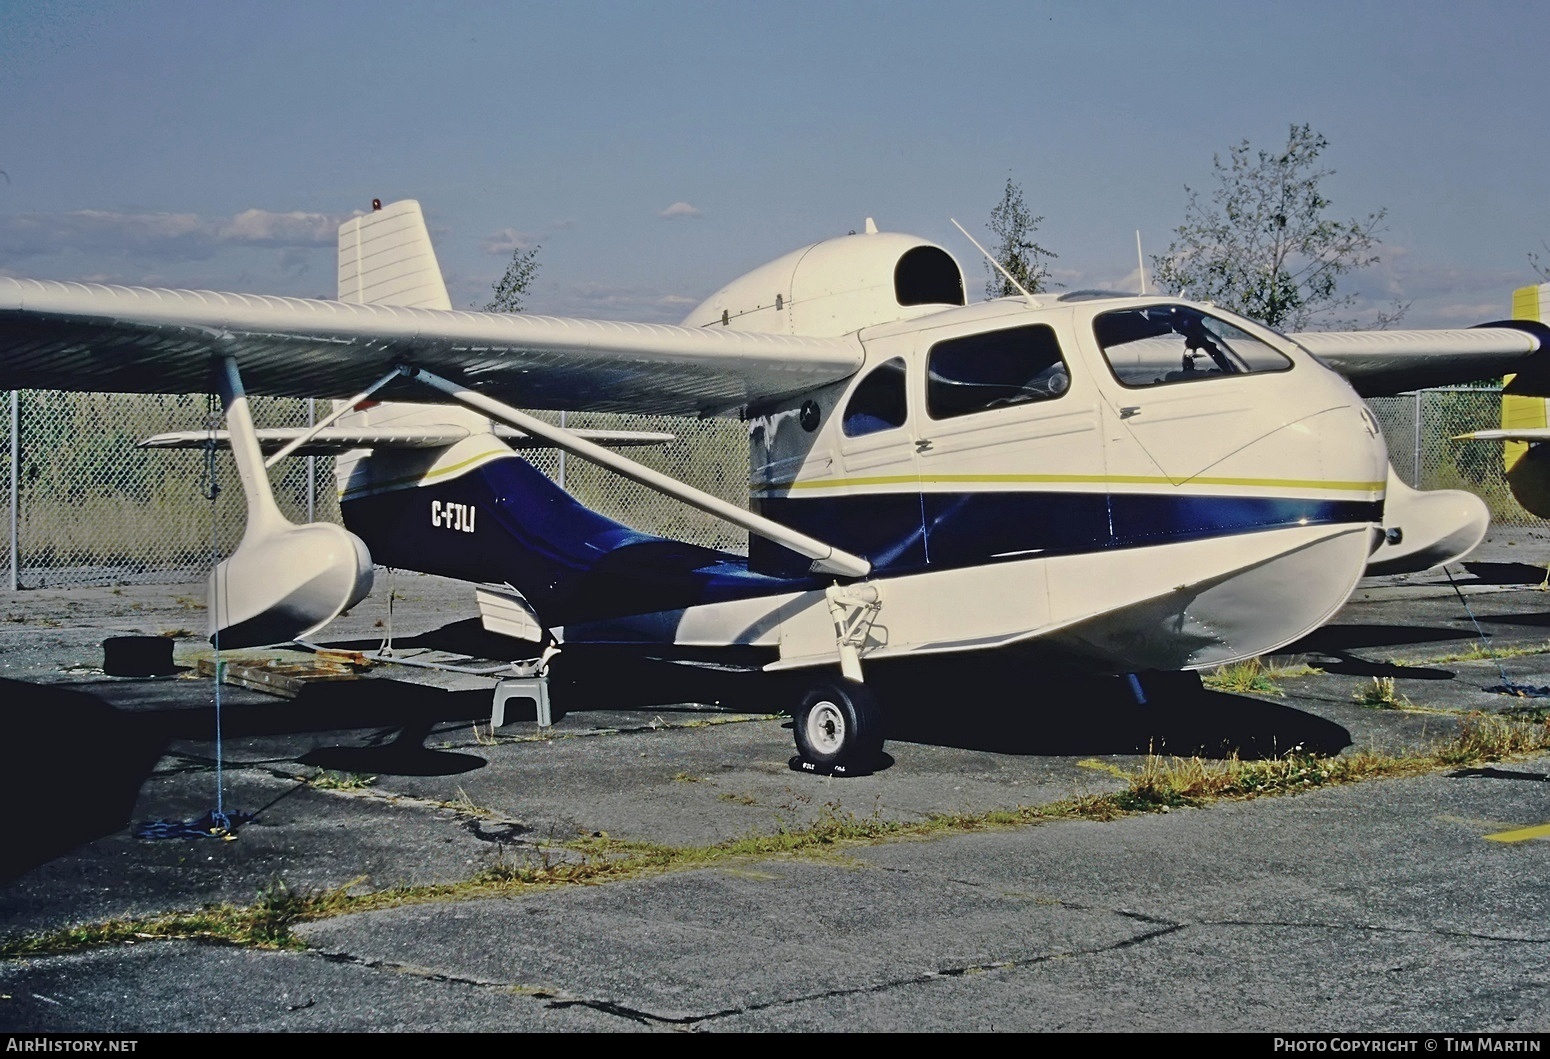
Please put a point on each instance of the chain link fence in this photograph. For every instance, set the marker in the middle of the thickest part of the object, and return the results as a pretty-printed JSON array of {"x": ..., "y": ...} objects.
[
  {"x": 1421, "y": 429},
  {"x": 87, "y": 506}
]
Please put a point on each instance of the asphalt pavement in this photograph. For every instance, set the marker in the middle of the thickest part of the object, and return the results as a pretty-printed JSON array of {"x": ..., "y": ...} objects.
[{"x": 1402, "y": 906}]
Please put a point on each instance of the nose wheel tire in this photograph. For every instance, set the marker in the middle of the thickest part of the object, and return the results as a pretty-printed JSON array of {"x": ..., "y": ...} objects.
[{"x": 838, "y": 728}]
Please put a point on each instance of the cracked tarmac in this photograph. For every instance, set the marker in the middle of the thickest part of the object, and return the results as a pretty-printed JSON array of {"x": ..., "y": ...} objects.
[{"x": 1377, "y": 907}]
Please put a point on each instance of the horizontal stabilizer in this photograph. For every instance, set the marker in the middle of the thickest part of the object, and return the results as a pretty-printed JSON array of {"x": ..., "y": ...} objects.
[
  {"x": 1520, "y": 434},
  {"x": 332, "y": 440},
  {"x": 1528, "y": 472}
]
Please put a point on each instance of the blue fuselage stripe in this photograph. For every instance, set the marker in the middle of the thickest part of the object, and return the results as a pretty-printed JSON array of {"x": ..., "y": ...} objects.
[{"x": 513, "y": 524}]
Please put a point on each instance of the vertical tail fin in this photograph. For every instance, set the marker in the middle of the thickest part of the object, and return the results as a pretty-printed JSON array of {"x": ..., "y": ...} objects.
[{"x": 386, "y": 258}]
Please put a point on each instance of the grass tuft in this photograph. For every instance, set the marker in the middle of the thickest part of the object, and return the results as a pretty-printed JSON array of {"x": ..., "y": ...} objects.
[
  {"x": 1256, "y": 676},
  {"x": 1477, "y": 652},
  {"x": 341, "y": 781},
  {"x": 1381, "y": 694},
  {"x": 1242, "y": 677}
]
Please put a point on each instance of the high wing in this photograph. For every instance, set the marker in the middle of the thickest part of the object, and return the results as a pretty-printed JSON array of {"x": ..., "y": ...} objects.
[
  {"x": 85, "y": 336},
  {"x": 333, "y": 440},
  {"x": 1384, "y": 363}
]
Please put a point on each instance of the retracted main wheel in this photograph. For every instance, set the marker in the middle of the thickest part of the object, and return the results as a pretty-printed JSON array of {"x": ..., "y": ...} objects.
[{"x": 838, "y": 728}]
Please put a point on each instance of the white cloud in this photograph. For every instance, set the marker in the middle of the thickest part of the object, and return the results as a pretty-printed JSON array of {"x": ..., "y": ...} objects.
[
  {"x": 679, "y": 209},
  {"x": 508, "y": 241},
  {"x": 169, "y": 236},
  {"x": 294, "y": 229},
  {"x": 619, "y": 302}
]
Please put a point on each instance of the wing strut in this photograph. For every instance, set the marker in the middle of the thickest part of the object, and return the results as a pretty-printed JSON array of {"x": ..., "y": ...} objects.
[
  {"x": 826, "y": 558},
  {"x": 318, "y": 427}
]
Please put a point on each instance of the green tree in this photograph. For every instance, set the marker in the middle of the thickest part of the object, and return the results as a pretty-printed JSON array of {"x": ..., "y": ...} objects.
[
  {"x": 1540, "y": 268},
  {"x": 513, "y": 287},
  {"x": 1014, "y": 225},
  {"x": 1264, "y": 247}
]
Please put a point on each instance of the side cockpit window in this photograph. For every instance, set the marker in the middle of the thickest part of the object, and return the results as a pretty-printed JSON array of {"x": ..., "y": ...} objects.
[
  {"x": 927, "y": 275},
  {"x": 878, "y": 402},
  {"x": 1165, "y": 344},
  {"x": 979, "y": 372}
]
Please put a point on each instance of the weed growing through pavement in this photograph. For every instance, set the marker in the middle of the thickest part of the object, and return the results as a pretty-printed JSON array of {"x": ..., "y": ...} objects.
[
  {"x": 1478, "y": 652},
  {"x": 341, "y": 781},
  {"x": 1255, "y": 676},
  {"x": 1381, "y": 694}
]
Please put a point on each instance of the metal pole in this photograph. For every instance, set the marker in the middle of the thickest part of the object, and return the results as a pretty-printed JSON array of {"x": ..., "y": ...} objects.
[
  {"x": 15, "y": 477},
  {"x": 312, "y": 465},
  {"x": 561, "y": 482},
  {"x": 1416, "y": 481}
]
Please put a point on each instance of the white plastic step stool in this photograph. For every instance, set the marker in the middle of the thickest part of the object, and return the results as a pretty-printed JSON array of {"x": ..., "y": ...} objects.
[
  {"x": 528, "y": 680},
  {"x": 535, "y": 687}
]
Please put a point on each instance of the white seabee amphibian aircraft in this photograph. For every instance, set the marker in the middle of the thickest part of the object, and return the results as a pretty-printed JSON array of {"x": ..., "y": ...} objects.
[{"x": 1137, "y": 484}]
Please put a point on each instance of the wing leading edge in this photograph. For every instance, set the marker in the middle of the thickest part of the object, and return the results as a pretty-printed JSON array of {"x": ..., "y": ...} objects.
[
  {"x": 84, "y": 336},
  {"x": 1384, "y": 363}
]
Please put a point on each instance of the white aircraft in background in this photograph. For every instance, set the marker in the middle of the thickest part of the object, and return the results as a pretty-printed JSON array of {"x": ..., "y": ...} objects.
[{"x": 1136, "y": 484}]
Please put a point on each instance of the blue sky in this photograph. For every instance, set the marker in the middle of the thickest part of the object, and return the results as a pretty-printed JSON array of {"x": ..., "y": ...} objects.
[{"x": 655, "y": 151}]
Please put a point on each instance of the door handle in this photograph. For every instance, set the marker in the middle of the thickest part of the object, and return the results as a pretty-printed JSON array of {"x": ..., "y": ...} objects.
[
  {"x": 922, "y": 444},
  {"x": 1129, "y": 410}
]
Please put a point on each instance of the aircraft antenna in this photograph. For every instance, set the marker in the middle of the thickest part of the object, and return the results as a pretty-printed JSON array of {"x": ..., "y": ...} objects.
[{"x": 992, "y": 260}]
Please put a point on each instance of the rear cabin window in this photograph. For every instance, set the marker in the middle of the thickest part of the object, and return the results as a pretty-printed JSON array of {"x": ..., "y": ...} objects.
[
  {"x": 877, "y": 403},
  {"x": 1166, "y": 344},
  {"x": 977, "y": 373},
  {"x": 927, "y": 275}
]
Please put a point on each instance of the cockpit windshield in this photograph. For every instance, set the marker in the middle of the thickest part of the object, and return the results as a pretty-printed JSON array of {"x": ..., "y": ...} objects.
[{"x": 1164, "y": 344}]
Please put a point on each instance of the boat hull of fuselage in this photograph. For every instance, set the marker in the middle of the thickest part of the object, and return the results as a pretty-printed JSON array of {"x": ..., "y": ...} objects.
[{"x": 1116, "y": 611}]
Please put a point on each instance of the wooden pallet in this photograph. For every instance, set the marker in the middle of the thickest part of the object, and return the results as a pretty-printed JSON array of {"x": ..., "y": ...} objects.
[{"x": 280, "y": 677}]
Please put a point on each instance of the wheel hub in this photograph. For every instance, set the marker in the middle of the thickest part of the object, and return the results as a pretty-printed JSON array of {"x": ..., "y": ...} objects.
[{"x": 826, "y": 727}]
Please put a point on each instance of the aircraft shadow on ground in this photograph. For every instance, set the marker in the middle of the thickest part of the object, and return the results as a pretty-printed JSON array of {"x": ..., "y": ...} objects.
[
  {"x": 998, "y": 704},
  {"x": 1332, "y": 648},
  {"x": 993, "y": 706},
  {"x": 1533, "y": 618},
  {"x": 1074, "y": 714},
  {"x": 71, "y": 768},
  {"x": 74, "y": 758},
  {"x": 1507, "y": 573}
]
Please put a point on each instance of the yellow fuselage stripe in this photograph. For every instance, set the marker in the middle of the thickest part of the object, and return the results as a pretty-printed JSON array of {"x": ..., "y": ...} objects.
[
  {"x": 1522, "y": 834},
  {"x": 406, "y": 481},
  {"x": 1075, "y": 479}
]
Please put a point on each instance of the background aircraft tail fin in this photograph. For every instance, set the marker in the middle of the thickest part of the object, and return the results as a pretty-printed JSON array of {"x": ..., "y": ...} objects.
[
  {"x": 1525, "y": 419},
  {"x": 1523, "y": 411},
  {"x": 386, "y": 258}
]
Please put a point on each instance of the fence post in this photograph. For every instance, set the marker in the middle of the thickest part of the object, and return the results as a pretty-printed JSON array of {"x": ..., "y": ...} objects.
[
  {"x": 15, "y": 478},
  {"x": 1415, "y": 482},
  {"x": 312, "y": 465}
]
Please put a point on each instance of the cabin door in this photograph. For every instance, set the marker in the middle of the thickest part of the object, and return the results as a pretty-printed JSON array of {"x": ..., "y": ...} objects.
[{"x": 880, "y": 514}]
